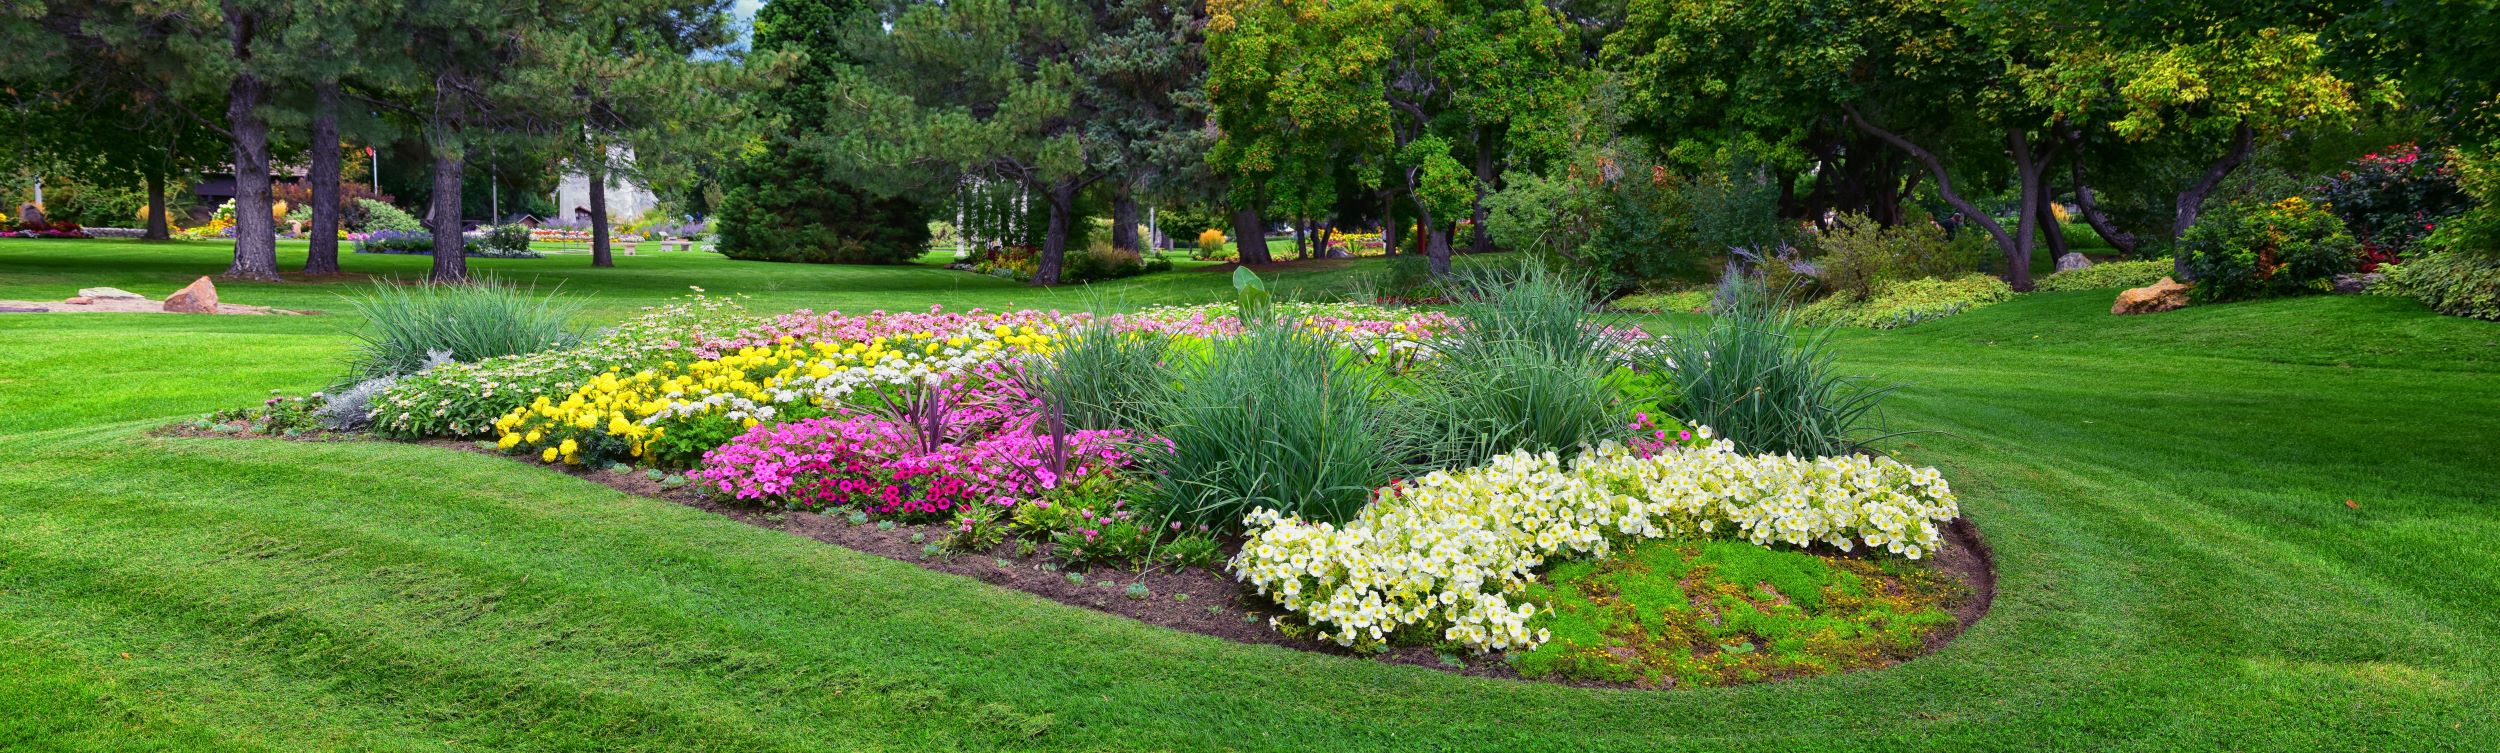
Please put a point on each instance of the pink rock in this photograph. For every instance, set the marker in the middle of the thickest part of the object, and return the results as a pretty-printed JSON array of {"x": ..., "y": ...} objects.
[
  {"x": 78, "y": 300},
  {"x": 199, "y": 298}
]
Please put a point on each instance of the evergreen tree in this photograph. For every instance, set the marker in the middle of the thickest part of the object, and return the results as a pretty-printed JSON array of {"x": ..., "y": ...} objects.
[
  {"x": 1055, "y": 95},
  {"x": 782, "y": 201}
]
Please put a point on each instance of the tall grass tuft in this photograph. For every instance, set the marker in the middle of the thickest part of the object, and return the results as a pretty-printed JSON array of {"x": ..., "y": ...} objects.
[
  {"x": 1105, "y": 379},
  {"x": 1532, "y": 369},
  {"x": 1276, "y": 418},
  {"x": 404, "y": 323},
  {"x": 1763, "y": 379}
]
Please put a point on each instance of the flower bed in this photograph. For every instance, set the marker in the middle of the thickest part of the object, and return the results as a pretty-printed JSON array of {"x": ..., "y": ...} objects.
[{"x": 1067, "y": 441}]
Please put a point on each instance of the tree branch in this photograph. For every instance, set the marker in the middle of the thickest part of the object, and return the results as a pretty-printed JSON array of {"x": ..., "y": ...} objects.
[{"x": 1944, "y": 181}]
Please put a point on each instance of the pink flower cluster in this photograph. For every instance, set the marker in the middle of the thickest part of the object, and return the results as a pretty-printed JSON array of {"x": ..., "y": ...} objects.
[
  {"x": 1650, "y": 439},
  {"x": 984, "y": 443},
  {"x": 875, "y": 464}
]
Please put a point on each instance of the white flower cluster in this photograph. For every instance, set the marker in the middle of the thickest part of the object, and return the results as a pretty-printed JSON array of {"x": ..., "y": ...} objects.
[{"x": 1452, "y": 551}]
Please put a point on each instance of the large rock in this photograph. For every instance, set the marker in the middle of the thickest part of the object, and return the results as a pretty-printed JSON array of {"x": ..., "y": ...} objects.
[
  {"x": 2156, "y": 298},
  {"x": 108, "y": 294},
  {"x": 2072, "y": 260},
  {"x": 2348, "y": 284},
  {"x": 199, "y": 298}
]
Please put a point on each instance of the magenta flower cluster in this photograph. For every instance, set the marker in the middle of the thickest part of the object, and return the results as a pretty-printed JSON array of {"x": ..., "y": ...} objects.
[
  {"x": 987, "y": 444},
  {"x": 875, "y": 464}
]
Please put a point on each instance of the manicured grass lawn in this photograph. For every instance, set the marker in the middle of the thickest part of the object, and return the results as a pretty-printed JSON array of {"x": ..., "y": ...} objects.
[{"x": 2167, "y": 497}]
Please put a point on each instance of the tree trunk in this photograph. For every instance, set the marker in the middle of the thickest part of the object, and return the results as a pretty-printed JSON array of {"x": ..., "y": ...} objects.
[
  {"x": 323, "y": 257},
  {"x": 594, "y": 172},
  {"x": 2192, "y": 201},
  {"x": 1944, "y": 184},
  {"x": 2033, "y": 206},
  {"x": 1062, "y": 198},
  {"x": 1250, "y": 237},
  {"x": 451, "y": 260},
  {"x": 1302, "y": 239},
  {"x": 1124, "y": 224},
  {"x": 1484, "y": 184},
  {"x": 1388, "y": 223},
  {"x": 158, "y": 228},
  {"x": 2122, "y": 240},
  {"x": 1436, "y": 240},
  {"x": 255, "y": 232},
  {"x": 2050, "y": 230}
]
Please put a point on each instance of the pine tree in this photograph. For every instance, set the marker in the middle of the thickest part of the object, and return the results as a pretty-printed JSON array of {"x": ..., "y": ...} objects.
[{"x": 782, "y": 201}]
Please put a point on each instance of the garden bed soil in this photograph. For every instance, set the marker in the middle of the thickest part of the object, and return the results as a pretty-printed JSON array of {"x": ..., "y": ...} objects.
[{"x": 1197, "y": 600}]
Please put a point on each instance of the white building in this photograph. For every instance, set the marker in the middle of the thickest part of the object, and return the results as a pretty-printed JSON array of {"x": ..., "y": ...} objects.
[{"x": 626, "y": 198}]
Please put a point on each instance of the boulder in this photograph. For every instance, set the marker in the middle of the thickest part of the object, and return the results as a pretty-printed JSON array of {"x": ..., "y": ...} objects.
[
  {"x": 2072, "y": 260},
  {"x": 109, "y": 294},
  {"x": 199, "y": 298},
  {"x": 2349, "y": 283},
  {"x": 2153, "y": 299},
  {"x": 78, "y": 300}
]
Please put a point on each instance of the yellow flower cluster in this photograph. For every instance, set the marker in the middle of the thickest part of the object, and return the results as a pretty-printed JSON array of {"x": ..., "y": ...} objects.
[
  {"x": 749, "y": 386},
  {"x": 1452, "y": 551}
]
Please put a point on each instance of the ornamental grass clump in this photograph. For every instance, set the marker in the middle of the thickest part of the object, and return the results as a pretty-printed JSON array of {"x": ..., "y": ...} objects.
[
  {"x": 1531, "y": 368},
  {"x": 1767, "y": 381},
  {"x": 1105, "y": 378},
  {"x": 1447, "y": 557},
  {"x": 1276, "y": 419},
  {"x": 470, "y": 322}
]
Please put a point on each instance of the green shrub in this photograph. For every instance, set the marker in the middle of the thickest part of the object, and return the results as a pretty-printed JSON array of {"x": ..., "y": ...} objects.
[
  {"x": 1629, "y": 230},
  {"x": 1857, "y": 254},
  {"x": 2292, "y": 247},
  {"x": 2450, "y": 282},
  {"x": 1275, "y": 418},
  {"x": 380, "y": 216},
  {"x": 1087, "y": 265},
  {"x": 2107, "y": 275},
  {"x": 1673, "y": 302},
  {"x": 405, "y": 323},
  {"x": 1762, "y": 379},
  {"x": 1908, "y": 302},
  {"x": 504, "y": 241},
  {"x": 783, "y": 206}
]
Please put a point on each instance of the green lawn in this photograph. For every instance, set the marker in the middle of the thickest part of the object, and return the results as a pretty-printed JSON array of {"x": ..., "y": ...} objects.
[{"x": 2167, "y": 497}]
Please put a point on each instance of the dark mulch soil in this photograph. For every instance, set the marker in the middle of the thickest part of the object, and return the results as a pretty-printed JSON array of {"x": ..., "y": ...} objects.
[{"x": 1197, "y": 600}]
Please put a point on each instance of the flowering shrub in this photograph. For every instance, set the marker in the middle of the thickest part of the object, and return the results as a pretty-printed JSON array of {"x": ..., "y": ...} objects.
[
  {"x": 2392, "y": 198},
  {"x": 47, "y": 229},
  {"x": 2289, "y": 248},
  {"x": 1446, "y": 556}
]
